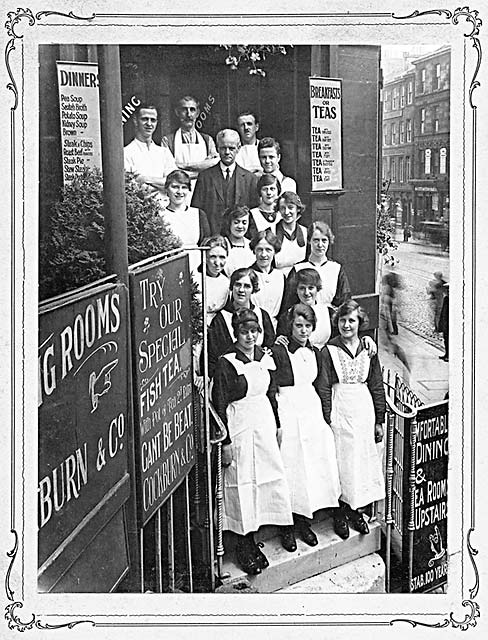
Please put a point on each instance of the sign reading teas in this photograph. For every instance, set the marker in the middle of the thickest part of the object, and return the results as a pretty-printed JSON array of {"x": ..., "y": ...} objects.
[
  {"x": 80, "y": 117},
  {"x": 160, "y": 297},
  {"x": 326, "y": 133},
  {"x": 83, "y": 429}
]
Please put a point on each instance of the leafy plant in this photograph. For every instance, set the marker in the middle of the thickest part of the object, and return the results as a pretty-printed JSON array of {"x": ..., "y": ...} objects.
[
  {"x": 251, "y": 55},
  {"x": 71, "y": 251},
  {"x": 385, "y": 235}
]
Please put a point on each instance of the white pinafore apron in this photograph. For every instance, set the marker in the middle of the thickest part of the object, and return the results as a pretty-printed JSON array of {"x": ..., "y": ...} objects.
[
  {"x": 329, "y": 275},
  {"x": 262, "y": 223},
  {"x": 190, "y": 153},
  {"x": 353, "y": 421},
  {"x": 307, "y": 446},
  {"x": 255, "y": 488},
  {"x": 186, "y": 226}
]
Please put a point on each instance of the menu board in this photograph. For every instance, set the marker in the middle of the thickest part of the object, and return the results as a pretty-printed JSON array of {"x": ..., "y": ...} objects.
[
  {"x": 80, "y": 117},
  {"x": 326, "y": 133},
  {"x": 430, "y": 558},
  {"x": 83, "y": 414},
  {"x": 160, "y": 296}
]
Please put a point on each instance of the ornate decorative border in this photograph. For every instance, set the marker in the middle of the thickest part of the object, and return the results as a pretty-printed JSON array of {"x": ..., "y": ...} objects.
[{"x": 14, "y": 18}]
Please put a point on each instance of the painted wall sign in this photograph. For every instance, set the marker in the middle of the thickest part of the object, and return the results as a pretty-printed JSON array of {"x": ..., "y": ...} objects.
[
  {"x": 160, "y": 296},
  {"x": 326, "y": 133},
  {"x": 430, "y": 558},
  {"x": 80, "y": 117},
  {"x": 83, "y": 414}
]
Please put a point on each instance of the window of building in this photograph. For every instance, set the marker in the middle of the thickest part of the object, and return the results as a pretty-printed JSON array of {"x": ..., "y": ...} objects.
[
  {"x": 394, "y": 133},
  {"x": 422, "y": 120},
  {"x": 402, "y": 132},
  {"x": 393, "y": 169},
  {"x": 437, "y": 77},
  {"x": 395, "y": 98},
  {"x": 409, "y": 131},
  {"x": 434, "y": 162},
  {"x": 402, "y": 96},
  {"x": 385, "y": 101},
  {"x": 384, "y": 176},
  {"x": 421, "y": 157},
  {"x": 428, "y": 155},
  {"x": 423, "y": 74},
  {"x": 407, "y": 168},
  {"x": 401, "y": 170},
  {"x": 435, "y": 119},
  {"x": 386, "y": 134},
  {"x": 442, "y": 160},
  {"x": 410, "y": 92}
]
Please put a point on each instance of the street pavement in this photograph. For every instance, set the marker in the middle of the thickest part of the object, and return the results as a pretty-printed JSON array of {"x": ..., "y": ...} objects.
[{"x": 414, "y": 352}]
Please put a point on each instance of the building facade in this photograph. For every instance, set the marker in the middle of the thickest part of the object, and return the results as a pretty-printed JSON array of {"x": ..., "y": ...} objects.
[{"x": 416, "y": 123}]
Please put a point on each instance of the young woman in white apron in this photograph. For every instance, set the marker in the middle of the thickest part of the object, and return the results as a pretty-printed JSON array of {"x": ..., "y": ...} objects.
[
  {"x": 266, "y": 215},
  {"x": 350, "y": 386},
  {"x": 293, "y": 236},
  {"x": 187, "y": 223},
  {"x": 307, "y": 445},
  {"x": 255, "y": 488}
]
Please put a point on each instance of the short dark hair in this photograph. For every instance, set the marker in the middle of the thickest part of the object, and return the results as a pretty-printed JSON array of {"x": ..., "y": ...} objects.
[
  {"x": 265, "y": 180},
  {"x": 264, "y": 143},
  {"x": 308, "y": 276},
  {"x": 348, "y": 307},
  {"x": 232, "y": 213},
  {"x": 179, "y": 176},
  {"x": 270, "y": 238},
  {"x": 145, "y": 105},
  {"x": 290, "y": 198},
  {"x": 323, "y": 227},
  {"x": 300, "y": 309},
  {"x": 242, "y": 273},
  {"x": 247, "y": 112},
  {"x": 244, "y": 316}
]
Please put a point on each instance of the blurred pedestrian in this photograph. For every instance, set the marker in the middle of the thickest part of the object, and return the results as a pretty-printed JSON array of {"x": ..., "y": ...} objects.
[
  {"x": 435, "y": 291},
  {"x": 390, "y": 304},
  {"x": 406, "y": 232},
  {"x": 444, "y": 323}
]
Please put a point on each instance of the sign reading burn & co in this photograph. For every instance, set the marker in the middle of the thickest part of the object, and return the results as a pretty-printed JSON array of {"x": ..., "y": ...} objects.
[{"x": 162, "y": 360}]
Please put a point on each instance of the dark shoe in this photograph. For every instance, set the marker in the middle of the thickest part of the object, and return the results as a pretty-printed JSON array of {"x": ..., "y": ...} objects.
[
  {"x": 261, "y": 559},
  {"x": 247, "y": 559},
  {"x": 340, "y": 525},
  {"x": 358, "y": 522},
  {"x": 306, "y": 533},
  {"x": 288, "y": 541}
]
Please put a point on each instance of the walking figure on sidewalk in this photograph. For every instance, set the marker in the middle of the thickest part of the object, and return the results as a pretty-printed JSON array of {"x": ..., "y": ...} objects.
[
  {"x": 391, "y": 286},
  {"x": 436, "y": 291}
]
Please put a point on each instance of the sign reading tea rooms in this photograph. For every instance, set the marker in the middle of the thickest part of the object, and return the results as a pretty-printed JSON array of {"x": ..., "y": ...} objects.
[{"x": 162, "y": 360}]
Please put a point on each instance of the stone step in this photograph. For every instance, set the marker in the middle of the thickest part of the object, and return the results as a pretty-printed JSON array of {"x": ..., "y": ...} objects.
[
  {"x": 363, "y": 575},
  {"x": 289, "y": 568}
]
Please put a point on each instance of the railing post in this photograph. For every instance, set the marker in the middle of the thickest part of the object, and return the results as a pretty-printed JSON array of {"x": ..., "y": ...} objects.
[
  {"x": 390, "y": 437},
  {"x": 411, "y": 489}
]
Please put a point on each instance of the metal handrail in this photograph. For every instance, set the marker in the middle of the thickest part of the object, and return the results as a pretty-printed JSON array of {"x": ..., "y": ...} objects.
[{"x": 409, "y": 412}]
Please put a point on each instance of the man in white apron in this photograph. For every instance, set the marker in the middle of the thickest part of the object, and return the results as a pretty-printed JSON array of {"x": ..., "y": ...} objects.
[
  {"x": 247, "y": 156},
  {"x": 193, "y": 151},
  {"x": 147, "y": 160}
]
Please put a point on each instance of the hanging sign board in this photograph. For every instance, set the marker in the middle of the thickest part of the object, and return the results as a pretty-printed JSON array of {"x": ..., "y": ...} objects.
[
  {"x": 80, "y": 117},
  {"x": 83, "y": 439},
  {"x": 430, "y": 558},
  {"x": 326, "y": 133},
  {"x": 160, "y": 298}
]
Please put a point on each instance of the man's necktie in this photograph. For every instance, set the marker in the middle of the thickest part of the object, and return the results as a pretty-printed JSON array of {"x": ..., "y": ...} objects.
[{"x": 227, "y": 176}]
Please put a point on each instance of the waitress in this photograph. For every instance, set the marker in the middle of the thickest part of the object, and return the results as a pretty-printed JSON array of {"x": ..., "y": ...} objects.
[
  {"x": 255, "y": 488},
  {"x": 307, "y": 445}
]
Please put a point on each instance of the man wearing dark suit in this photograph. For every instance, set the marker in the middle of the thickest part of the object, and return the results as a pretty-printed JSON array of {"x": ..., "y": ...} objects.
[{"x": 226, "y": 184}]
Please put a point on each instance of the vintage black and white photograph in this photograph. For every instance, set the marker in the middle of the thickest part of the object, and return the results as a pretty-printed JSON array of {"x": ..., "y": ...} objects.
[{"x": 243, "y": 256}]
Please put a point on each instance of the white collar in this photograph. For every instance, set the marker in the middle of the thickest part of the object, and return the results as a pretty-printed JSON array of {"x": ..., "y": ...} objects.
[{"x": 224, "y": 168}]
